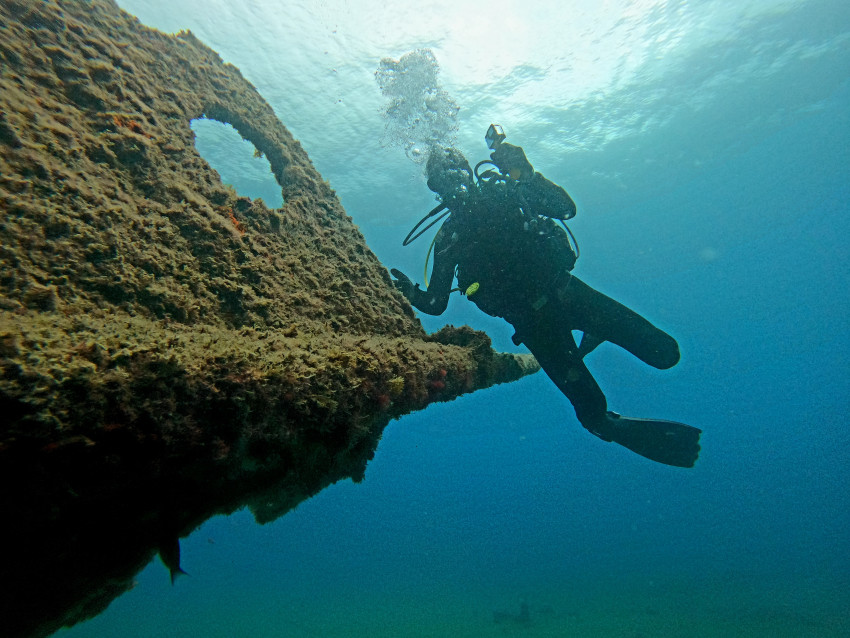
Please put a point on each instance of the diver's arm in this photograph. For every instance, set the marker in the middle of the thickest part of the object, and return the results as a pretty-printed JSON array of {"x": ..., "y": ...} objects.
[
  {"x": 434, "y": 300},
  {"x": 538, "y": 195},
  {"x": 541, "y": 196}
]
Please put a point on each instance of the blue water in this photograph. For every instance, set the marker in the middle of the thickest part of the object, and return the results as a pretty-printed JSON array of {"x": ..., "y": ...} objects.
[{"x": 708, "y": 149}]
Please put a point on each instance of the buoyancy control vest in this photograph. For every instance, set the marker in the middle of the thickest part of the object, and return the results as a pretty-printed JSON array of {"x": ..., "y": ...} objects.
[{"x": 513, "y": 256}]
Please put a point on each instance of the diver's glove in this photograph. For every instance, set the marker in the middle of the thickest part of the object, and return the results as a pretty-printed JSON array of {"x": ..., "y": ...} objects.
[
  {"x": 403, "y": 284},
  {"x": 511, "y": 161}
]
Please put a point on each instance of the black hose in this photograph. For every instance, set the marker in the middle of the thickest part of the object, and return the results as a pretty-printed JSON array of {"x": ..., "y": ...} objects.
[{"x": 431, "y": 213}]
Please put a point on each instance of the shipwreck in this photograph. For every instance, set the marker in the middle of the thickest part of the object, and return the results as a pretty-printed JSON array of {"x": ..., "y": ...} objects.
[{"x": 170, "y": 350}]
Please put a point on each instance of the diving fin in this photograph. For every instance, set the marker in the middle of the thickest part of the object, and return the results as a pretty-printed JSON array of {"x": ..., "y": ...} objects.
[{"x": 665, "y": 442}]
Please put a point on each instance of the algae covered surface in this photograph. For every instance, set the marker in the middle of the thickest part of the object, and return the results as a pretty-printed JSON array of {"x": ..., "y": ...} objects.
[{"x": 168, "y": 349}]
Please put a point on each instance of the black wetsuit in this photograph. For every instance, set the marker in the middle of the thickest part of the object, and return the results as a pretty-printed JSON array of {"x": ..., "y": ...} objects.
[{"x": 521, "y": 261}]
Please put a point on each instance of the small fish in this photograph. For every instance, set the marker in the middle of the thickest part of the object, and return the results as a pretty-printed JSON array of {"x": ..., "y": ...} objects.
[{"x": 169, "y": 554}]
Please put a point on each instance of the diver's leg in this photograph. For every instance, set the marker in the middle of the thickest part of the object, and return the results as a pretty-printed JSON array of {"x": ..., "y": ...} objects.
[
  {"x": 609, "y": 320},
  {"x": 555, "y": 350},
  {"x": 550, "y": 340}
]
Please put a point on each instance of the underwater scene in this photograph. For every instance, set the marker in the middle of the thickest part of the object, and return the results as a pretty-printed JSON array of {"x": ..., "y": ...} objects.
[{"x": 345, "y": 472}]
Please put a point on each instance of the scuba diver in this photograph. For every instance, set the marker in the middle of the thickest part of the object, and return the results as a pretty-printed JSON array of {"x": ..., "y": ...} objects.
[{"x": 513, "y": 260}]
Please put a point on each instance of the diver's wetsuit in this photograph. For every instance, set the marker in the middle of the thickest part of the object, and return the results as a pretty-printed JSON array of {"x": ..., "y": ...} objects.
[{"x": 521, "y": 263}]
